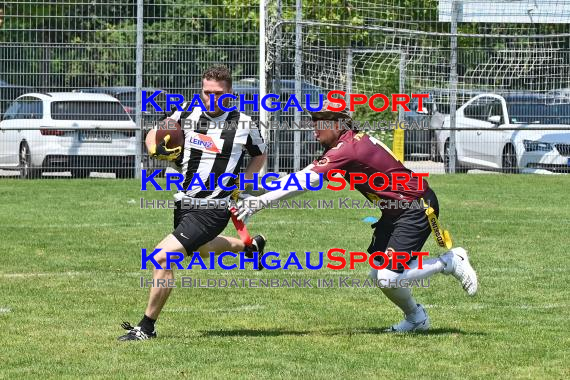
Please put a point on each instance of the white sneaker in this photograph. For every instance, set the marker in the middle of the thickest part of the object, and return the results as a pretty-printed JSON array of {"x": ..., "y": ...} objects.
[
  {"x": 418, "y": 321},
  {"x": 457, "y": 264}
]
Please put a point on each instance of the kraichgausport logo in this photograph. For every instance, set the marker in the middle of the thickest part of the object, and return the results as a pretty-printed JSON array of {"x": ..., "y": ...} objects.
[
  {"x": 272, "y": 103},
  {"x": 383, "y": 259}
]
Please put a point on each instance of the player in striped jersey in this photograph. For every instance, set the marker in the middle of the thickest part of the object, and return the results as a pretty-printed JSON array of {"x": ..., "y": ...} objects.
[{"x": 207, "y": 149}]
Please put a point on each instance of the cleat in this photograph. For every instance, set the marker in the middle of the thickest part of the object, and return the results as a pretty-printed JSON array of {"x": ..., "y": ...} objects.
[
  {"x": 416, "y": 322},
  {"x": 457, "y": 264},
  {"x": 257, "y": 245},
  {"x": 135, "y": 333}
]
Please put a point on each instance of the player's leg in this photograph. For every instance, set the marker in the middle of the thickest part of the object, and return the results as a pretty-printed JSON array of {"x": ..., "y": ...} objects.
[
  {"x": 157, "y": 295},
  {"x": 382, "y": 237},
  {"x": 408, "y": 233},
  {"x": 406, "y": 236},
  {"x": 411, "y": 231},
  {"x": 221, "y": 244},
  {"x": 229, "y": 244},
  {"x": 193, "y": 228}
]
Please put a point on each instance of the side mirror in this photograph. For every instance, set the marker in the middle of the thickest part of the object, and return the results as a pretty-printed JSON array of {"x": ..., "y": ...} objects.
[{"x": 495, "y": 119}]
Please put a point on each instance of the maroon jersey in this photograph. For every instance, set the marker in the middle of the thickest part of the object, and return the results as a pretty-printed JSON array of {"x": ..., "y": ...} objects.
[{"x": 356, "y": 152}]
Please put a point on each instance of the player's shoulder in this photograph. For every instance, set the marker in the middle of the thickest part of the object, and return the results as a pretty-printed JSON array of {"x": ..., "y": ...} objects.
[
  {"x": 344, "y": 146},
  {"x": 243, "y": 116}
]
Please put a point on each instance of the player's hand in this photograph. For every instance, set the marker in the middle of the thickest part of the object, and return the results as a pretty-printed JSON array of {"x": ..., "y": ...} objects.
[
  {"x": 161, "y": 152},
  {"x": 247, "y": 207}
]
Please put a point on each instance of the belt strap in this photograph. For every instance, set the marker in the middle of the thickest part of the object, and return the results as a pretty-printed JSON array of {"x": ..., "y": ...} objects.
[{"x": 442, "y": 237}]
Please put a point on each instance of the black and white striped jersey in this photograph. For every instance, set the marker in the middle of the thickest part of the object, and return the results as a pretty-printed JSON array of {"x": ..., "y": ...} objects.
[{"x": 214, "y": 145}]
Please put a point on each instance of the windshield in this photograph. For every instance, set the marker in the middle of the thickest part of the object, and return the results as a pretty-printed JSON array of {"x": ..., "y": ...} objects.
[
  {"x": 535, "y": 113},
  {"x": 78, "y": 110}
]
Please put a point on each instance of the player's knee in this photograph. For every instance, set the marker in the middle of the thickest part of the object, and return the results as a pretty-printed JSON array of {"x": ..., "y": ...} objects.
[
  {"x": 160, "y": 258},
  {"x": 373, "y": 274},
  {"x": 388, "y": 279},
  {"x": 205, "y": 250}
]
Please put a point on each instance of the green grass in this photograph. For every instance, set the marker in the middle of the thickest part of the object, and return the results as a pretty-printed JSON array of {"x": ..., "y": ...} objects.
[{"x": 69, "y": 276}]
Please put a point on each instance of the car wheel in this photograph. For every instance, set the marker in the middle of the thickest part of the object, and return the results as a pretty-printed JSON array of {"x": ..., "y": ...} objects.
[
  {"x": 26, "y": 170},
  {"x": 510, "y": 160},
  {"x": 446, "y": 159},
  {"x": 80, "y": 173}
]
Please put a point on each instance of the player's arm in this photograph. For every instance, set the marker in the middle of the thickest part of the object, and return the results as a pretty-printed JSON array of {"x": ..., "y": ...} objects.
[
  {"x": 255, "y": 204},
  {"x": 256, "y": 148},
  {"x": 255, "y": 165},
  {"x": 335, "y": 158}
]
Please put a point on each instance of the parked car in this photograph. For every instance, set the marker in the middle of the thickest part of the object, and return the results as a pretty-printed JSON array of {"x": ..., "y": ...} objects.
[
  {"x": 419, "y": 135},
  {"x": 127, "y": 95},
  {"x": 421, "y": 141},
  {"x": 9, "y": 92},
  {"x": 67, "y": 131},
  {"x": 491, "y": 146},
  {"x": 563, "y": 93}
]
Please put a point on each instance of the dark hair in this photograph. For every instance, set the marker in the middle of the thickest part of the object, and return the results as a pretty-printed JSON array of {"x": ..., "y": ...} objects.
[{"x": 218, "y": 73}]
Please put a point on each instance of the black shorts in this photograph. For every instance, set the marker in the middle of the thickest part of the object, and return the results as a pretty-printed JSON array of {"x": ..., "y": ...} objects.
[
  {"x": 195, "y": 227},
  {"x": 406, "y": 232}
]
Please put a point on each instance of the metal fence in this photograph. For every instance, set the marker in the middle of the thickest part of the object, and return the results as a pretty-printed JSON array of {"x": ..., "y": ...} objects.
[{"x": 497, "y": 74}]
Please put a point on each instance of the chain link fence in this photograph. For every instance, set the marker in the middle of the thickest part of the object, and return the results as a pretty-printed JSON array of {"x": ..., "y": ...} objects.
[{"x": 497, "y": 76}]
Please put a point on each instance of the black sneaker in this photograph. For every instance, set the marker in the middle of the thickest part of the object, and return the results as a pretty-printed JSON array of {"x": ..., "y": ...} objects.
[
  {"x": 257, "y": 245},
  {"x": 135, "y": 333}
]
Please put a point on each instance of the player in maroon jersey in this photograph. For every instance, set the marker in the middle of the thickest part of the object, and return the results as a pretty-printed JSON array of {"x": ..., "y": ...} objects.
[{"x": 400, "y": 229}]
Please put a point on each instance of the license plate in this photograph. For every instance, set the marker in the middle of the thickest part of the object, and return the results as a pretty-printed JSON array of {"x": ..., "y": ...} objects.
[{"x": 95, "y": 136}]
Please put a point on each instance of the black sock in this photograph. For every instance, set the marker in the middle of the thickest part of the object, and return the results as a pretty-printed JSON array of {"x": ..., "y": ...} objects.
[{"x": 147, "y": 324}]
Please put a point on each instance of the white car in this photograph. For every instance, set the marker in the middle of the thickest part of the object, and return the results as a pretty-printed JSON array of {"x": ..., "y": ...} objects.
[
  {"x": 65, "y": 131},
  {"x": 491, "y": 145}
]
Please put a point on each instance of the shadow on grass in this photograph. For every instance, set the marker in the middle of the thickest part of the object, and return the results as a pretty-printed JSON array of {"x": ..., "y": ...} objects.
[{"x": 348, "y": 332}]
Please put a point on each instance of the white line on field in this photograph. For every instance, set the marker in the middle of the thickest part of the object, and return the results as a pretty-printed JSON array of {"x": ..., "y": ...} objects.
[
  {"x": 5, "y": 310},
  {"x": 221, "y": 310},
  {"x": 479, "y": 306},
  {"x": 65, "y": 274}
]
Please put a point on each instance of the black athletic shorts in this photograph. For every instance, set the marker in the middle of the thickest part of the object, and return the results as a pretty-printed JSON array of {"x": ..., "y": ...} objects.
[
  {"x": 194, "y": 227},
  {"x": 406, "y": 232}
]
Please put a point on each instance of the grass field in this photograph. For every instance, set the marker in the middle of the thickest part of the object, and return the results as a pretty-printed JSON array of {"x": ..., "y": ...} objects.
[{"x": 69, "y": 276}]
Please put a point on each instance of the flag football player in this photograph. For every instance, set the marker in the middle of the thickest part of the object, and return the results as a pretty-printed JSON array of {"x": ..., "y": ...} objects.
[
  {"x": 207, "y": 149},
  {"x": 400, "y": 229}
]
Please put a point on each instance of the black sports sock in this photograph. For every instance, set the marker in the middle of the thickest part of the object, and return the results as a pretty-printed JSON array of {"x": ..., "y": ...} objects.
[{"x": 147, "y": 324}]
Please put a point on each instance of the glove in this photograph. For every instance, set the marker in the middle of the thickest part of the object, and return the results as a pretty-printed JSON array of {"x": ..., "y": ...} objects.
[
  {"x": 247, "y": 207},
  {"x": 161, "y": 152}
]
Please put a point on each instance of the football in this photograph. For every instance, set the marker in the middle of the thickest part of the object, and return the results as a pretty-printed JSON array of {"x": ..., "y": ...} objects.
[{"x": 170, "y": 127}]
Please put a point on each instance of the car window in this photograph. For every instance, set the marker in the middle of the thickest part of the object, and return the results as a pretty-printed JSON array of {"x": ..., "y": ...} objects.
[
  {"x": 538, "y": 113},
  {"x": 128, "y": 99},
  {"x": 475, "y": 111},
  {"x": 496, "y": 109},
  {"x": 25, "y": 108},
  {"x": 482, "y": 108},
  {"x": 86, "y": 110},
  {"x": 12, "y": 111}
]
